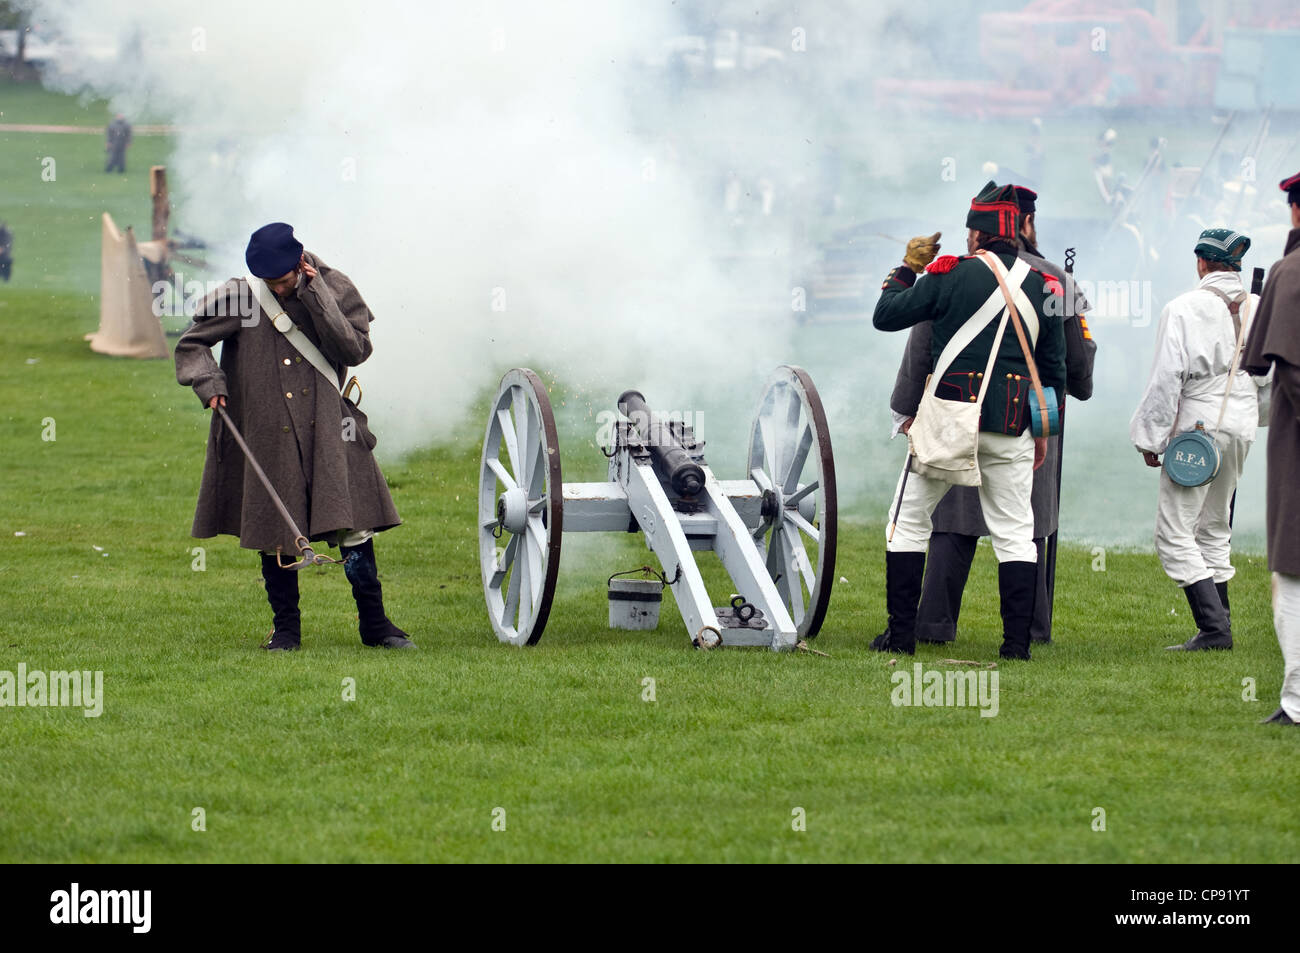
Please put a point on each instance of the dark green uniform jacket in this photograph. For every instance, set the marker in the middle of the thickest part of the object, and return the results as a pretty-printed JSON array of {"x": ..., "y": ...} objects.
[{"x": 949, "y": 294}]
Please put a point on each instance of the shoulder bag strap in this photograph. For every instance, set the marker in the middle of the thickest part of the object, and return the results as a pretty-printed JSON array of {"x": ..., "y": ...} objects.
[
  {"x": 1000, "y": 273},
  {"x": 1234, "y": 306},
  {"x": 1236, "y": 356},
  {"x": 292, "y": 333}
]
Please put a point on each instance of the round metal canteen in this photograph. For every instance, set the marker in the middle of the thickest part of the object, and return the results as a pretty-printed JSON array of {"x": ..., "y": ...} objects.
[
  {"x": 1192, "y": 458},
  {"x": 520, "y": 509},
  {"x": 1053, "y": 414},
  {"x": 790, "y": 460}
]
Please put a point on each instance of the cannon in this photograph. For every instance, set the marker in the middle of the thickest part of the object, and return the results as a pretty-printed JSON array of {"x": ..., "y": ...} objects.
[{"x": 773, "y": 531}]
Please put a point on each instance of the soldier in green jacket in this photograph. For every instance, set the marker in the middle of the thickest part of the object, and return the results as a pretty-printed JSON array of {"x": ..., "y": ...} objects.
[{"x": 951, "y": 293}]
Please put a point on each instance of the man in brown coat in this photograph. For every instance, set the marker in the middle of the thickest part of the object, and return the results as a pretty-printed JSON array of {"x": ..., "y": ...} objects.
[
  {"x": 312, "y": 442},
  {"x": 1275, "y": 341}
]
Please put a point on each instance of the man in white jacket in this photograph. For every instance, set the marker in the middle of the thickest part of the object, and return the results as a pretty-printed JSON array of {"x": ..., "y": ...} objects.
[{"x": 1195, "y": 346}]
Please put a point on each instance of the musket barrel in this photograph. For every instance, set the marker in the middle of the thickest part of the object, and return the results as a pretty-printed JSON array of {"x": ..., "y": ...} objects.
[{"x": 675, "y": 463}]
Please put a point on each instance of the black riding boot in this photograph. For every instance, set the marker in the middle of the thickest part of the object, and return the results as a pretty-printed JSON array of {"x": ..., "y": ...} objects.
[
  {"x": 903, "y": 575},
  {"x": 1279, "y": 717},
  {"x": 282, "y": 593},
  {"x": 377, "y": 630},
  {"x": 1213, "y": 628},
  {"x": 1017, "y": 586},
  {"x": 1222, "y": 587}
]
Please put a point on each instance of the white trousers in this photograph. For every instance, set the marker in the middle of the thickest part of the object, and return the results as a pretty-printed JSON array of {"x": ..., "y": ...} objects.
[
  {"x": 1192, "y": 532},
  {"x": 1007, "y": 469},
  {"x": 1286, "y": 620}
]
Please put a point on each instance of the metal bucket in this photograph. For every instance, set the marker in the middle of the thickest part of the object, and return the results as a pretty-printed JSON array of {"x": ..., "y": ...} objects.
[{"x": 634, "y": 603}]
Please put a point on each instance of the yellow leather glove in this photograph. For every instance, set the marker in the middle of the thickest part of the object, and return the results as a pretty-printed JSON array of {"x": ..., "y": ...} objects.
[{"x": 921, "y": 251}]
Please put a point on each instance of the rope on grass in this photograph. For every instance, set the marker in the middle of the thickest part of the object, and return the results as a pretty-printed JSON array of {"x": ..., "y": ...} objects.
[{"x": 803, "y": 646}]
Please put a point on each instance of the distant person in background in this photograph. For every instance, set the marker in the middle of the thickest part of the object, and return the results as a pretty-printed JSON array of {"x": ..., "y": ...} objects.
[
  {"x": 958, "y": 520},
  {"x": 118, "y": 137},
  {"x": 1103, "y": 166},
  {"x": 1034, "y": 154},
  {"x": 1275, "y": 342},
  {"x": 6, "y": 251},
  {"x": 1195, "y": 346}
]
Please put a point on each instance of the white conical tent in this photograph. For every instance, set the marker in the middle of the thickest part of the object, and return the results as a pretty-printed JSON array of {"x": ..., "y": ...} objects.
[{"x": 128, "y": 326}]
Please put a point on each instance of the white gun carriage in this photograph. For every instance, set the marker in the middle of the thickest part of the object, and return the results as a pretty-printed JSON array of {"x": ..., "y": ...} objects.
[{"x": 773, "y": 531}]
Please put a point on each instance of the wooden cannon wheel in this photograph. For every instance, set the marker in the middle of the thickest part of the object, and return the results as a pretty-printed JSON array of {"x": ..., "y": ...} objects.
[
  {"x": 790, "y": 460},
  {"x": 520, "y": 509}
]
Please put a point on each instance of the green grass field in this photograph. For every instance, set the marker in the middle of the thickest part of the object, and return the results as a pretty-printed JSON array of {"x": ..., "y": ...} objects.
[{"x": 558, "y": 737}]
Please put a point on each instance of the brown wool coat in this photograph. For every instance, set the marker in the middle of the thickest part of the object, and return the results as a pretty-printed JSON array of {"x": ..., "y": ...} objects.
[
  {"x": 292, "y": 419},
  {"x": 1275, "y": 342}
]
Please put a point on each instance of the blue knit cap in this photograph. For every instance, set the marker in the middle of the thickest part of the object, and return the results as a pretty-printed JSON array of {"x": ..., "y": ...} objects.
[{"x": 273, "y": 251}]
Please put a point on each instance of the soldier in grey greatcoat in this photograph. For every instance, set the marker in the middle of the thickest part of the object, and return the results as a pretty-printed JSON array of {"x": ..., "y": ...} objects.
[
  {"x": 313, "y": 443},
  {"x": 958, "y": 520}
]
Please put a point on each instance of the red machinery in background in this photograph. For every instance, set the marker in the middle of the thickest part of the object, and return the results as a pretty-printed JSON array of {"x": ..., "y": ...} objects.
[{"x": 1059, "y": 54}]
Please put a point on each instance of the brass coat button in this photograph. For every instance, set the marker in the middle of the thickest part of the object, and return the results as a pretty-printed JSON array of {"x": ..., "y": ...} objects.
[
  {"x": 306, "y": 391},
  {"x": 287, "y": 361},
  {"x": 972, "y": 398},
  {"x": 1009, "y": 376},
  {"x": 285, "y": 429},
  {"x": 288, "y": 394},
  {"x": 298, "y": 359}
]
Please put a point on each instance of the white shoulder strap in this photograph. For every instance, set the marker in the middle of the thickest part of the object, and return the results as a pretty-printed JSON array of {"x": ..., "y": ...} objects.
[
  {"x": 284, "y": 324},
  {"x": 1028, "y": 316}
]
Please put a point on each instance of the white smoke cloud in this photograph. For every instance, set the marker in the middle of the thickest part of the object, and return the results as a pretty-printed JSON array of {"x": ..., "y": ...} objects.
[
  {"x": 472, "y": 167},
  {"x": 450, "y": 157}
]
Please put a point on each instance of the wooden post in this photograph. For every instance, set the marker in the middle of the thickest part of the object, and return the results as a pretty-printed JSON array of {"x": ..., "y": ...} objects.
[{"x": 161, "y": 205}]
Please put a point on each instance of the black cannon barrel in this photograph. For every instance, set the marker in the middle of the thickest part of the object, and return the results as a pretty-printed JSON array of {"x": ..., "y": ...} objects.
[{"x": 674, "y": 462}]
